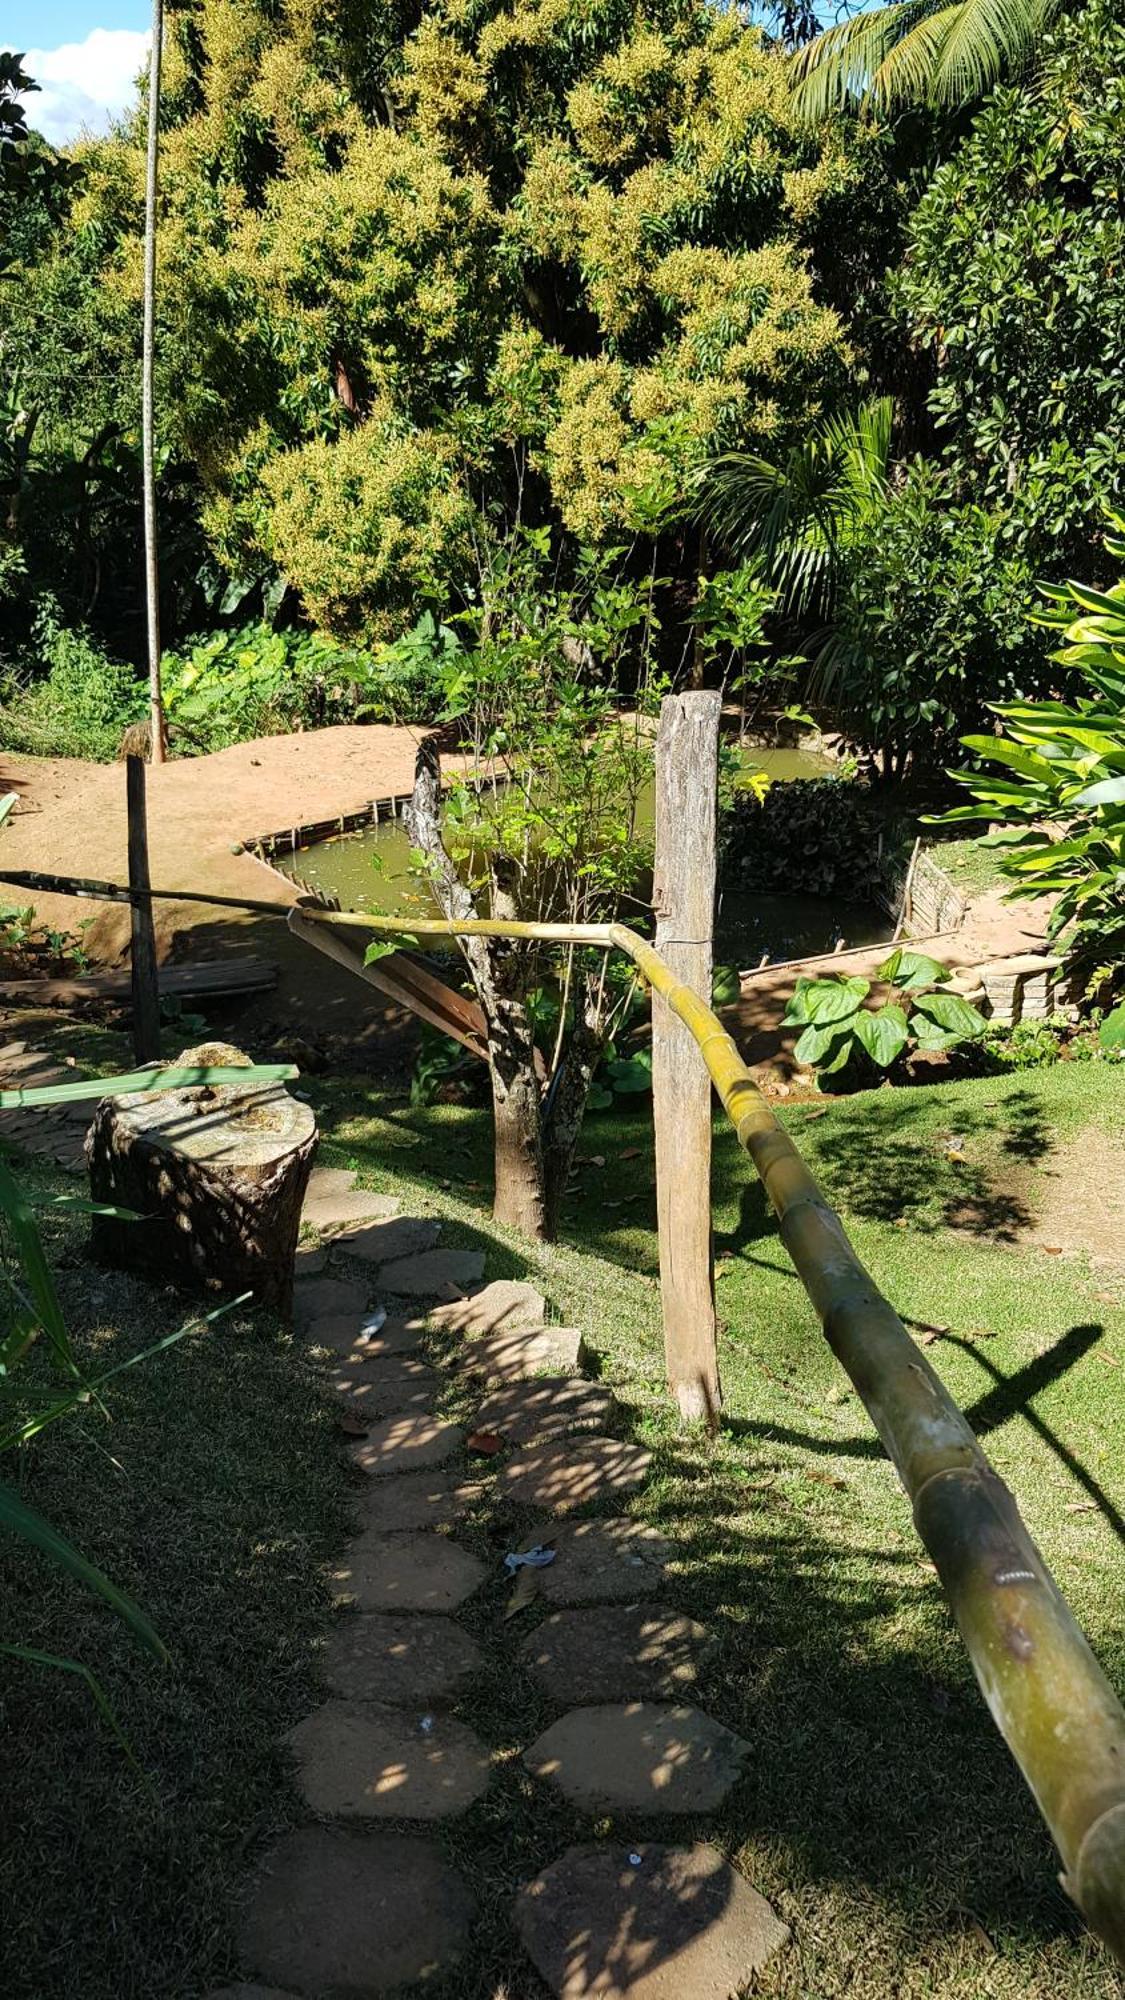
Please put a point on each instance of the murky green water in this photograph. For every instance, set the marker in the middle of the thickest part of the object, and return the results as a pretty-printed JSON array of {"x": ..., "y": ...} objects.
[{"x": 373, "y": 870}]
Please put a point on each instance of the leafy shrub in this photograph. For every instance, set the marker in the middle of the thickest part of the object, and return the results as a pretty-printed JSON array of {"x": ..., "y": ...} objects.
[
  {"x": 1058, "y": 796},
  {"x": 839, "y": 1030},
  {"x": 80, "y": 707},
  {"x": 234, "y": 685},
  {"x": 410, "y": 675},
  {"x": 823, "y": 836}
]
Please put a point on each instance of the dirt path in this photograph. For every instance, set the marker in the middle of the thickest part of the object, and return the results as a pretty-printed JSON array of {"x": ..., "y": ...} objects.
[{"x": 71, "y": 821}]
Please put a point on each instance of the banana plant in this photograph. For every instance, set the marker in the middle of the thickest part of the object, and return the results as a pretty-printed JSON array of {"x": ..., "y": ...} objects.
[{"x": 1056, "y": 795}]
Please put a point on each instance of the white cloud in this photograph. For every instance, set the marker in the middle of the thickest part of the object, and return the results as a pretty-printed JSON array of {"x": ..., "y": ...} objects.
[{"x": 82, "y": 85}]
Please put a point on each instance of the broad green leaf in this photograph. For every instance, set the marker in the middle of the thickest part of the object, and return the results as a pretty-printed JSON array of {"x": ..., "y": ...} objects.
[
  {"x": 1107, "y": 792},
  {"x": 33, "y": 1527},
  {"x": 726, "y": 986},
  {"x": 883, "y": 1033},
  {"x": 952, "y": 1014},
  {"x": 929, "y": 1036},
  {"x": 829, "y": 1000},
  {"x": 818, "y": 1040},
  {"x": 911, "y": 969},
  {"x": 1111, "y": 1034}
]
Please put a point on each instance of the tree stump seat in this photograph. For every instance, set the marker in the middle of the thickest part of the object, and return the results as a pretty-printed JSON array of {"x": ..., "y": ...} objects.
[{"x": 218, "y": 1174}]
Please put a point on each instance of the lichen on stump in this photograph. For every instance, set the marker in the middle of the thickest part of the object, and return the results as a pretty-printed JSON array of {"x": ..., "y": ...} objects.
[{"x": 219, "y": 1175}]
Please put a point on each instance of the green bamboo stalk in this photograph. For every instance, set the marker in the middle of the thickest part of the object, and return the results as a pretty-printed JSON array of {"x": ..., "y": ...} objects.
[{"x": 136, "y": 1080}]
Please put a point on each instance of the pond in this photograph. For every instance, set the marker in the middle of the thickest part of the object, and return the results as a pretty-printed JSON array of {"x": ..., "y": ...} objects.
[{"x": 373, "y": 870}]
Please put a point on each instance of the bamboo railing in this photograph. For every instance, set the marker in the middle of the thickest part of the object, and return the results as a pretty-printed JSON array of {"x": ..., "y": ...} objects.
[{"x": 1046, "y": 1693}]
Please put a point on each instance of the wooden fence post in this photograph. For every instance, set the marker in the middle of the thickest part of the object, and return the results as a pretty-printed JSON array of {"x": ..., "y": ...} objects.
[
  {"x": 684, "y": 902},
  {"x": 142, "y": 954}
]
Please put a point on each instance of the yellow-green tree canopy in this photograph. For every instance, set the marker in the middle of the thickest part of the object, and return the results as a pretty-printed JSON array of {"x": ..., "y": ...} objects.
[{"x": 551, "y": 254}]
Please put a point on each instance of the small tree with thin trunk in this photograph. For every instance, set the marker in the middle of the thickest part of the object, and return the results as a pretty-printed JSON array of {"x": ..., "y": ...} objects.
[{"x": 543, "y": 826}]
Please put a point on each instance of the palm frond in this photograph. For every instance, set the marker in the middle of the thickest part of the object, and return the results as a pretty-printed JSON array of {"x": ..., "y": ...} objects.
[{"x": 916, "y": 52}]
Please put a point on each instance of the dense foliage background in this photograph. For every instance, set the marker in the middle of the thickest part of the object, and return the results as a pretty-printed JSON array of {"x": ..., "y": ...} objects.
[{"x": 429, "y": 280}]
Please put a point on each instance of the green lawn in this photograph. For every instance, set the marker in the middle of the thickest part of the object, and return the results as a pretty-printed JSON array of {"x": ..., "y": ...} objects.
[{"x": 880, "y": 1812}]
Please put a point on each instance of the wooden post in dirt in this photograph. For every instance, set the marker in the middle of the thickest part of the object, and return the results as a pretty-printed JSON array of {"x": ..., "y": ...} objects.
[
  {"x": 142, "y": 955},
  {"x": 684, "y": 902}
]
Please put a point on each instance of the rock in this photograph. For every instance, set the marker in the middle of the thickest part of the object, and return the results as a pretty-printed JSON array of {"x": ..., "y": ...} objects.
[
  {"x": 358, "y": 1916},
  {"x": 406, "y": 1443},
  {"x": 604, "y": 1562},
  {"x": 505, "y": 1306},
  {"x": 399, "y": 1662},
  {"x": 427, "y": 1275},
  {"x": 419, "y": 1500},
  {"x": 651, "y": 1923},
  {"x": 513, "y": 1357},
  {"x": 386, "y": 1384},
  {"x": 318, "y": 1298},
  {"x": 381, "y": 1242},
  {"x": 342, "y": 1334},
  {"x": 330, "y": 1212},
  {"x": 406, "y": 1572},
  {"x": 639, "y": 1757},
  {"x": 364, "y": 1762},
  {"x": 561, "y": 1477},
  {"x": 628, "y": 1652},
  {"x": 549, "y": 1406}
]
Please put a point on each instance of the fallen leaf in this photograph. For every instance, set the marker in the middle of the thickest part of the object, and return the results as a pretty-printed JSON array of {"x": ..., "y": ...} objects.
[
  {"x": 631, "y": 1153},
  {"x": 1103, "y": 1354},
  {"x": 353, "y": 1426},
  {"x": 901, "y": 1222},
  {"x": 826, "y": 1478},
  {"x": 1081, "y": 1507},
  {"x": 930, "y": 1333},
  {"x": 525, "y": 1593},
  {"x": 486, "y": 1444},
  {"x": 1051, "y": 1249}
]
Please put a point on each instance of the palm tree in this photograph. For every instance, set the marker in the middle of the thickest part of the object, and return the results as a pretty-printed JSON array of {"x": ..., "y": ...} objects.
[
  {"x": 802, "y": 514},
  {"x": 917, "y": 52}
]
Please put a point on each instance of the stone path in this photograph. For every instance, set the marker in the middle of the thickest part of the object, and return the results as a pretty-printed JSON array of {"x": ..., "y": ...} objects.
[
  {"x": 56, "y": 1133},
  {"x": 347, "y": 1906}
]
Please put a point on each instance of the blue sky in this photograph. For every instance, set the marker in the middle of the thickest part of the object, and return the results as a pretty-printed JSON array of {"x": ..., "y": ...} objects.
[{"x": 84, "y": 54}]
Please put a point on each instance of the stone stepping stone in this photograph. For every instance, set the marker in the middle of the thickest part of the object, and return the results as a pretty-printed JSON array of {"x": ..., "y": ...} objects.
[
  {"x": 505, "y": 1306},
  {"x": 626, "y": 1652},
  {"x": 515, "y": 1357},
  {"x": 381, "y": 1242},
  {"x": 364, "y": 1762},
  {"x": 385, "y": 1385},
  {"x": 639, "y": 1757},
  {"x": 429, "y": 1274},
  {"x": 419, "y": 1500},
  {"x": 406, "y": 1572},
  {"x": 603, "y": 1562},
  {"x": 551, "y": 1406},
  {"x": 400, "y": 1662},
  {"x": 651, "y": 1923},
  {"x": 344, "y": 1211},
  {"x": 560, "y": 1477},
  {"x": 316, "y": 1298},
  {"x": 333, "y": 1912},
  {"x": 309, "y": 1264},
  {"x": 342, "y": 1334},
  {"x": 408, "y": 1442}
]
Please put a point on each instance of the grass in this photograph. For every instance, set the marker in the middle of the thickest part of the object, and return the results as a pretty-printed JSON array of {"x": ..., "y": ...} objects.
[
  {"x": 972, "y": 868},
  {"x": 879, "y": 1812}
]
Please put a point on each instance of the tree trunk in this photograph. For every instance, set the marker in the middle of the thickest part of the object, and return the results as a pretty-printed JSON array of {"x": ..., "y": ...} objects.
[
  {"x": 218, "y": 1176},
  {"x": 519, "y": 1198}
]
